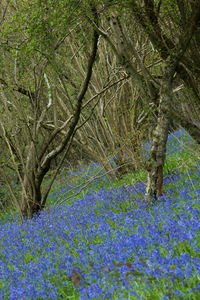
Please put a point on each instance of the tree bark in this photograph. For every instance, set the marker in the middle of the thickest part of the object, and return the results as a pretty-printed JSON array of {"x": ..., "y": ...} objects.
[{"x": 158, "y": 151}]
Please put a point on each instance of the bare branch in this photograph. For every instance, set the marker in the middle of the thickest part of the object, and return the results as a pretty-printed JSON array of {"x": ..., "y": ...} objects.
[{"x": 77, "y": 112}]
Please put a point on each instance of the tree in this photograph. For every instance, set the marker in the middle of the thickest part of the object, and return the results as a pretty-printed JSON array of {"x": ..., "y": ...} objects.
[
  {"x": 40, "y": 149},
  {"x": 173, "y": 52},
  {"x": 173, "y": 38}
]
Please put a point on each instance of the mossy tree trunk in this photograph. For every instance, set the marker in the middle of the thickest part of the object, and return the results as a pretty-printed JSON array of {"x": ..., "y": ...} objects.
[{"x": 158, "y": 151}]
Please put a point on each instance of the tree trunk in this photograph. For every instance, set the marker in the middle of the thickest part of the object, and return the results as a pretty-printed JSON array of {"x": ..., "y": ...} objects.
[
  {"x": 158, "y": 150},
  {"x": 155, "y": 170},
  {"x": 31, "y": 187},
  {"x": 31, "y": 197}
]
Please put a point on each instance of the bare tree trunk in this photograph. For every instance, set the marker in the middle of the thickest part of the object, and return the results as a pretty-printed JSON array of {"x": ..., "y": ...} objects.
[{"x": 158, "y": 151}]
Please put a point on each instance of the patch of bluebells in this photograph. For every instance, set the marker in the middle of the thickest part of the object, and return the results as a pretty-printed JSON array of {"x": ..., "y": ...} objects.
[
  {"x": 93, "y": 174},
  {"x": 96, "y": 239},
  {"x": 117, "y": 244},
  {"x": 177, "y": 141},
  {"x": 87, "y": 171}
]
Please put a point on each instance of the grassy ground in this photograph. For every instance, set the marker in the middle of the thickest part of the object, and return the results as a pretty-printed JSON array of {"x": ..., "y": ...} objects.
[{"x": 104, "y": 242}]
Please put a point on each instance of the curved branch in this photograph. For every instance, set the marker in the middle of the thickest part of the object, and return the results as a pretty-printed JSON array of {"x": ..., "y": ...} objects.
[{"x": 78, "y": 108}]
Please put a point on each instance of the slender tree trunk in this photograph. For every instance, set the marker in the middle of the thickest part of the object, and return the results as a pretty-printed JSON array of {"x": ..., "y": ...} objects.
[{"x": 158, "y": 151}]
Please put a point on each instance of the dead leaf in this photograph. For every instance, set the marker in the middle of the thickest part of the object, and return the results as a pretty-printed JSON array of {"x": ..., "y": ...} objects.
[{"x": 76, "y": 278}]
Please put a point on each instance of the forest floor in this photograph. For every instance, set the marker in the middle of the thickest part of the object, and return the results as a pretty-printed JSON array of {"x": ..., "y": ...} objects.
[{"x": 99, "y": 239}]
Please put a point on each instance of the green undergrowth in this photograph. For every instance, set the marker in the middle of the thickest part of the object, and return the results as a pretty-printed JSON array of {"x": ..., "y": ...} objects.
[{"x": 80, "y": 184}]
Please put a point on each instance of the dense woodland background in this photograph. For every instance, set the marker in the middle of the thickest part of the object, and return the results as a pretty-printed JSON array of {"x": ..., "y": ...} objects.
[
  {"x": 99, "y": 149},
  {"x": 84, "y": 81}
]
